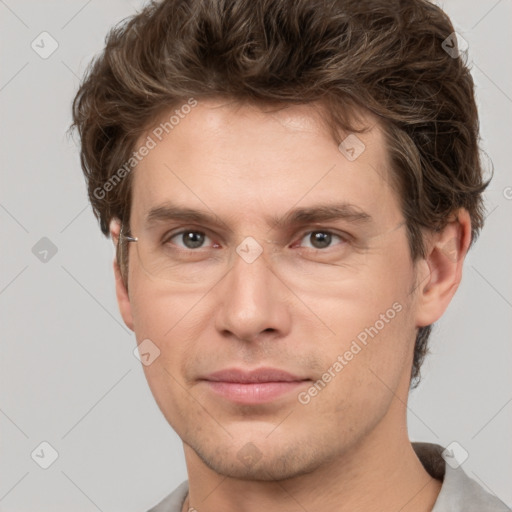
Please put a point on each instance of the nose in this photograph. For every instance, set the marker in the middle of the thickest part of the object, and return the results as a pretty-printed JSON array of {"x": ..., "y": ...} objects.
[{"x": 253, "y": 303}]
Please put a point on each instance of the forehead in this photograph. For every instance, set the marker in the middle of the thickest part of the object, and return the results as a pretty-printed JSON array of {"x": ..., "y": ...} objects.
[{"x": 250, "y": 162}]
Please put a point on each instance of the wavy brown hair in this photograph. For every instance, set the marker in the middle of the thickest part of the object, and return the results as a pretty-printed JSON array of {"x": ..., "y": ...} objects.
[{"x": 381, "y": 56}]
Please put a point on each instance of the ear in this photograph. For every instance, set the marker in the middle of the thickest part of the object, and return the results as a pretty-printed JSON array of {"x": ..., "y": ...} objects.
[
  {"x": 446, "y": 250},
  {"x": 123, "y": 299}
]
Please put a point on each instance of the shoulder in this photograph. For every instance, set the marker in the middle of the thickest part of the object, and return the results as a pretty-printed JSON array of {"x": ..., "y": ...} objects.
[
  {"x": 174, "y": 501},
  {"x": 459, "y": 492}
]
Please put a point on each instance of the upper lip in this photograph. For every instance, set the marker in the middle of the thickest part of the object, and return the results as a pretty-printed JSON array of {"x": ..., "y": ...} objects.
[{"x": 251, "y": 376}]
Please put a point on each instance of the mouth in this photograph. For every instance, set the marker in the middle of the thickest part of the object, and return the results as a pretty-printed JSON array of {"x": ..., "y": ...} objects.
[{"x": 253, "y": 387}]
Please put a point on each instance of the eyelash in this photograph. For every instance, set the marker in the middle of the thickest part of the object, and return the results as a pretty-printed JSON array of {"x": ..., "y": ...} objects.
[{"x": 343, "y": 237}]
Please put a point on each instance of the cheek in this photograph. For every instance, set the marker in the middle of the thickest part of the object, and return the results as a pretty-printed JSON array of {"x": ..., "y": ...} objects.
[
  {"x": 360, "y": 379},
  {"x": 174, "y": 323},
  {"x": 159, "y": 309},
  {"x": 365, "y": 307},
  {"x": 373, "y": 333}
]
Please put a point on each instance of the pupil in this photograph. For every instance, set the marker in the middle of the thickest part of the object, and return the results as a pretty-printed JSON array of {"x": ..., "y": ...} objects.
[
  {"x": 321, "y": 240},
  {"x": 193, "y": 239}
]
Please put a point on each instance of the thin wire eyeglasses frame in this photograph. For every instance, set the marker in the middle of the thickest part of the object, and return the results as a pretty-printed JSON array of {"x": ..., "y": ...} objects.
[{"x": 129, "y": 238}]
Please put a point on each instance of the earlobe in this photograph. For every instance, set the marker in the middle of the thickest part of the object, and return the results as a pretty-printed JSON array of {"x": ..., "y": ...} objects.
[
  {"x": 445, "y": 257},
  {"x": 123, "y": 299}
]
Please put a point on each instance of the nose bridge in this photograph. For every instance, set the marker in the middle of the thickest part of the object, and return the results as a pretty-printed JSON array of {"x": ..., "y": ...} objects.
[
  {"x": 250, "y": 298},
  {"x": 250, "y": 275}
]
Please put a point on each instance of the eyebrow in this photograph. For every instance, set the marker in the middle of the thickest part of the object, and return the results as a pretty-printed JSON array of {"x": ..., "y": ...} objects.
[{"x": 306, "y": 215}]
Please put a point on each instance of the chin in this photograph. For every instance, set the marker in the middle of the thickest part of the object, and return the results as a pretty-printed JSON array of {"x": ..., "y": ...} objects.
[{"x": 260, "y": 460}]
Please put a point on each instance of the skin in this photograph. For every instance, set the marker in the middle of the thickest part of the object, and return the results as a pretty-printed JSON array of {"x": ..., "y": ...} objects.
[{"x": 292, "y": 309}]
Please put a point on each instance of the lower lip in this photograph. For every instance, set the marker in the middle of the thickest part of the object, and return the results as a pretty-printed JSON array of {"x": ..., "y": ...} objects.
[{"x": 254, "y": 392}]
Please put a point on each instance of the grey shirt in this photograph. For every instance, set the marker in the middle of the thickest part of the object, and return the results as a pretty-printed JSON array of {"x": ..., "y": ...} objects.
[{"x": 459, "y": 493}]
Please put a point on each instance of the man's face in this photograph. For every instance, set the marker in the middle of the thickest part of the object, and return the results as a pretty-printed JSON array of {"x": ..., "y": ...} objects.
[{"x": 321, "y": 292}]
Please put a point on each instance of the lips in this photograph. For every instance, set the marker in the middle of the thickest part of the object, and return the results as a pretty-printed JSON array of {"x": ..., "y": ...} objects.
[
  {"x": 248, "y": 377},
  {"x": 253, "y": 387}
]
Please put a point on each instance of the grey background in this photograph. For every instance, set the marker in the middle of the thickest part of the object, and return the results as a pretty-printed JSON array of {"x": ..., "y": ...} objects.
[{"x": 68, "y": 374}]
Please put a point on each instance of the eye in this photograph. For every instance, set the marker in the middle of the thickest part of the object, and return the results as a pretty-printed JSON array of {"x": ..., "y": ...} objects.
[
  {"x": 188, "y": 239},
  {"x": 321, "y": 239}
]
